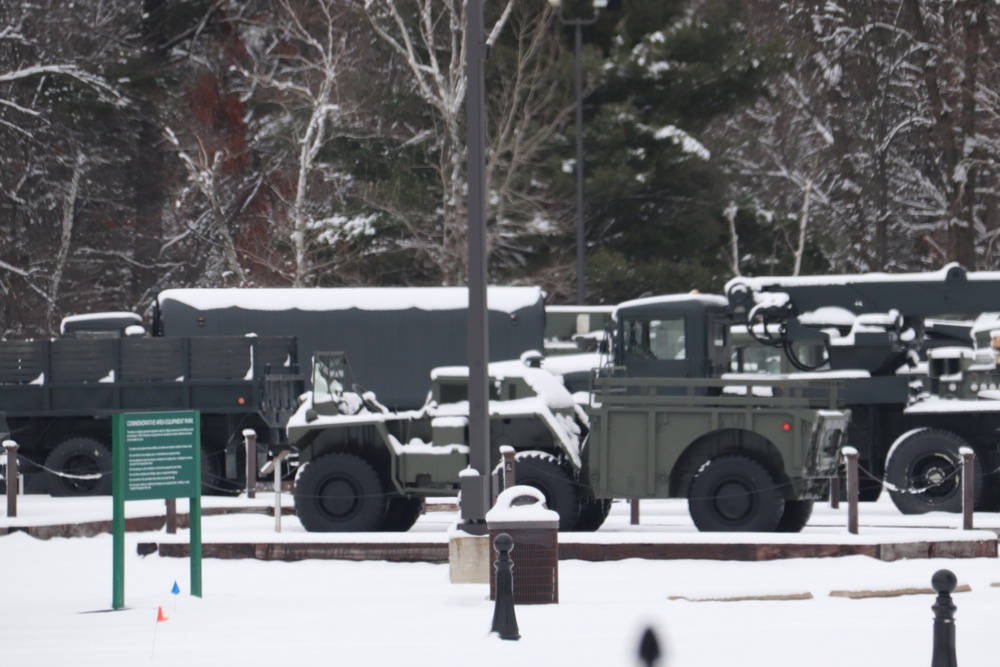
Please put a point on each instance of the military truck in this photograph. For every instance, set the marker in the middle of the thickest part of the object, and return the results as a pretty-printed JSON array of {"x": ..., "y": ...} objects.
[
  {"x": 873, "y": 330},
  {"x": 744, "y": 458},
  {"x": 58, "y": 394},
  {"x": 394, "y": 336},
  {"x": 917, "y": 387}
]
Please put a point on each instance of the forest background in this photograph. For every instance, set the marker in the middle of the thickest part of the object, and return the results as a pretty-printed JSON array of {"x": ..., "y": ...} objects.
[{"x": 151, "y": 144}]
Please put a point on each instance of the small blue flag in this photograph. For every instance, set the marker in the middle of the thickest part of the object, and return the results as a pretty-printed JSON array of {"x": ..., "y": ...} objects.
[{"x": 176, "y": 590}]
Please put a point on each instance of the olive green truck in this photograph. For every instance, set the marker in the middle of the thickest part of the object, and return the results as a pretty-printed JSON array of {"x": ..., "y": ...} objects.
[{"x": 747, "y": 454}]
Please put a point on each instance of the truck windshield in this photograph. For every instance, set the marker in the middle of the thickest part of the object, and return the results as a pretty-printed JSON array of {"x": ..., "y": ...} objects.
[{"x": 661, "y": 339}]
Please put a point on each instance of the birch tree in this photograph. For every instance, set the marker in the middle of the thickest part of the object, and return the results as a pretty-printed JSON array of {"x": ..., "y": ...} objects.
[
  {"x": 51, "y": 89},
  {"x": 428, "y": 38}
]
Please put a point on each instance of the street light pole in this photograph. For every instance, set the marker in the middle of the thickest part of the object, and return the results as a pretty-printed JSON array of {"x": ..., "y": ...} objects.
[
  {"x": 578, "y": 23},
  {"x": 476, "y": 492}
]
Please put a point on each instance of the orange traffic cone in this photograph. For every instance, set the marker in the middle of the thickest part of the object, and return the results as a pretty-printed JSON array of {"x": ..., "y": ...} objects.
[{"x": 159, "y": 615}]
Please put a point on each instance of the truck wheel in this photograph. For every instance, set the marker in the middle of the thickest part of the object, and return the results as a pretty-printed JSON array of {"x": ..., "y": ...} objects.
[
  {"x": 339, "y": 493},
  {"x": 79, "y": 467},
  {"x": 593, "y": 513},
  {"x": 735, "y": 493},
  {"x": 544, "y": 472},
  {"x": 401, "y": 513},
  {"x": 926, "y": 470},
  {"x": 795, "y": 517}
]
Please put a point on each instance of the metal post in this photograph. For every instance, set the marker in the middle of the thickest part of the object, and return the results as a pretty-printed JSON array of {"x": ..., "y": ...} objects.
[
  {"x": 504, "y": 619},
  {"x": 476, "y": 484},
  {"x": 250, "y": 439},
  {"x": 835, "y": 493},
  {"x": 581, "y": 280},
  {"x": 968, "y": 485},
  {"x": 851, "y": 455},
  {"x": 171, "y": 504},
  {"x": 634, "y": 511},
  {"x": 509, "y": 472},
  {"x": 649, "y": 648},
  {"x": 277, "y": 488},
  {"x": 11, "y": 477},
  {"x": 944, "y": 583},
  {"x": 578, "y": 23}
]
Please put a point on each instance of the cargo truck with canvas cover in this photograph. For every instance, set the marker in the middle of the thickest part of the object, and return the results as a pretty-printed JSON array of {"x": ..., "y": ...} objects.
[{"x": 394, "y": 336}]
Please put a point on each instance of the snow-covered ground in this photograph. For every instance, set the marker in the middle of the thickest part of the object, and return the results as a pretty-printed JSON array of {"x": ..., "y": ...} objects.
[{"x": 57, "y": 597}]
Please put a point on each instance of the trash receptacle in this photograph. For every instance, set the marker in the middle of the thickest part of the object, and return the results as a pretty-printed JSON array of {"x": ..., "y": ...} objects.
[{"x": 521, "y": 513}]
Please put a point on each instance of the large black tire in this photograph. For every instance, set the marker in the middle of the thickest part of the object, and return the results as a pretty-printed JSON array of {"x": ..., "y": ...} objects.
[
  {"x": 546, "y": 474},
  {"x": 928, "y": 459},
  {"x": 339, "y": 493},
  {"x": 401, "y": 513},
  {"x": 593, "y": 513},
  {"x": 735, "y": 493},
  {"x": 795, "y": 517},
  {"x": 73, "y": 465}
]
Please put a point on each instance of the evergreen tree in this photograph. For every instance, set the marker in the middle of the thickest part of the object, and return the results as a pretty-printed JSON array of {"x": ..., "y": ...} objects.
[{"x": 655, "y": 193}]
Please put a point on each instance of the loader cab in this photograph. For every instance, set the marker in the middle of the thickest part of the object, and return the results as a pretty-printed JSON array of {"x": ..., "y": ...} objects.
[{"x": 683, "y": 336}]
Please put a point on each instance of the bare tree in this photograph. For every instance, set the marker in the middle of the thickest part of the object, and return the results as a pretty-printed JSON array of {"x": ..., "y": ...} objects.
[{"x": 429, "y": 37}]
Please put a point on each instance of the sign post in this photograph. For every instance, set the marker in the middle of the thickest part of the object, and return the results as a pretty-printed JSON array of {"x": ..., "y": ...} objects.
[{"x": 155, "y": 455}]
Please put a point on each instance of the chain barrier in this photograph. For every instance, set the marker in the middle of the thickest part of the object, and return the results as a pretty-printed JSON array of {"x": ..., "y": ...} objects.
[{"x": 912, "y": 490}]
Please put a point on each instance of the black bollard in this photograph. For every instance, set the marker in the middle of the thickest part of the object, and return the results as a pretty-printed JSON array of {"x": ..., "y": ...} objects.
[
  {"x": 649, "y": 648},
  {"x": 504, "y": 621},
  {"x": 944, "y": 582}
]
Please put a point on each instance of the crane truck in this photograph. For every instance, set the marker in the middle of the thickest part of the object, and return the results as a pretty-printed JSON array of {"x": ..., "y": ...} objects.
[{"x": 908, "y": 426}]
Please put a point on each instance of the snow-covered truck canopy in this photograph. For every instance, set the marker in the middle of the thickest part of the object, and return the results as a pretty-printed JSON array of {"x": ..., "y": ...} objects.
[{"x": 393, "y": 336}]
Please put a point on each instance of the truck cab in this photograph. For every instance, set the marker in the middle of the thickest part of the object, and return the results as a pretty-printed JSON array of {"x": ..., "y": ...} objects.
[{"x": 677, "y": 336}]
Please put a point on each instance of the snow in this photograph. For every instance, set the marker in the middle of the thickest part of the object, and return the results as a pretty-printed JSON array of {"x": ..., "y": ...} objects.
[
  {"x": 707, "y": 299},
  {"x": 380, "y": 613},
  {"x": 763, "y": 282},
  {"x": 522, "y": 504},
  {"x": 827, "y": 316},
  {"x": 503, "y": 299}
]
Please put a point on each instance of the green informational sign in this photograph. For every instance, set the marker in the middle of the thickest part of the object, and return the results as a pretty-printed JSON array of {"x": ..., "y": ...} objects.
[
  {"x": 155, "y": 455},
  {"x": 161, "y": 454}
]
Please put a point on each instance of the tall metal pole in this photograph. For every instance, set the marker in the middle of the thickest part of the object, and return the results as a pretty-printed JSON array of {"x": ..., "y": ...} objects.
[
  {"x": 578, "y": 23},
  {"x": 581, "y": 279},
  {"x": 475, "y": 486}
]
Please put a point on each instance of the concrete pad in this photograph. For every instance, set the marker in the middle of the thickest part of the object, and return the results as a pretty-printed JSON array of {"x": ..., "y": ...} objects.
[{"x": 469, "y": 559}]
